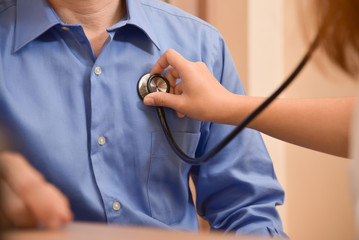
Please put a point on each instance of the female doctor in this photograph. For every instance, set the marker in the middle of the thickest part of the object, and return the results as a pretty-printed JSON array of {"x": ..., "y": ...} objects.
[{"x": 299, "y": 121}]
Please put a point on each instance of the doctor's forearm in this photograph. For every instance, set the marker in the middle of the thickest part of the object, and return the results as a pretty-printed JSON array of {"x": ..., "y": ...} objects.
[{"x": 318, "y": 124}]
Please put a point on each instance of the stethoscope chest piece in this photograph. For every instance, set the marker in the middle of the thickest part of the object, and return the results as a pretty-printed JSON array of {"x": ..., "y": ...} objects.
[{"x": 152, "y": 83}]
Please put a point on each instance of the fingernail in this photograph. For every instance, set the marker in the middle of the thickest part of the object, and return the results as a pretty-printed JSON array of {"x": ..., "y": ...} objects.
[{"x": 149, "y": 101}]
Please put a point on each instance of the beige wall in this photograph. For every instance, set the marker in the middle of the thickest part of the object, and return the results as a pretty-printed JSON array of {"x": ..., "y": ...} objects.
[
  {"x": 265, "y": 67},
  {"x": 266, "y": 42}
]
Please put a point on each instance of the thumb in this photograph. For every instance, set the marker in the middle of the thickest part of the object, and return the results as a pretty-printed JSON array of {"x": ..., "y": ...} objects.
[{"x": 162, "y": 99}]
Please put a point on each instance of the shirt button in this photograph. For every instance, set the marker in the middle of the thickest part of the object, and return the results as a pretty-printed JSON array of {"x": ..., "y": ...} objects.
[
  {"x": 98, "y": 70},
  {"x": 101, "y": 141},
  {"x": 116, "y": 206}
]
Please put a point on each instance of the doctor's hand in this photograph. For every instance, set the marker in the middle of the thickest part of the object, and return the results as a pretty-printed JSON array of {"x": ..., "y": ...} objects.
[
  {"x": 198, "y": 95},
  {"x": 27, "y": 200}
]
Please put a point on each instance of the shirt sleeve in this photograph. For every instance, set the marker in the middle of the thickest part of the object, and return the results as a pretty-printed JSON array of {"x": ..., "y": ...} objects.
[{"x": 237, "y": 190}]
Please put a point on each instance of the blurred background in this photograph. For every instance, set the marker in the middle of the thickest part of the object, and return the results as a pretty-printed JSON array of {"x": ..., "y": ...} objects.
[{"x": 266, "y": 40}]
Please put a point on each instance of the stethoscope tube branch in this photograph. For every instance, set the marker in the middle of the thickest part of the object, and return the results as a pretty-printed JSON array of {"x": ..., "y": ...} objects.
[{"x": 204, "y": 158}]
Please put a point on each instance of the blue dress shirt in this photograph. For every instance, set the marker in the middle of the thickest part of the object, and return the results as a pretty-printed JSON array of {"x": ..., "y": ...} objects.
[{"x": 78, "y": 119}]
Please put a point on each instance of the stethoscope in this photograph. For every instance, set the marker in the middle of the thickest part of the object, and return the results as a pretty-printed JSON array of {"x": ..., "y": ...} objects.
[{"x": 158, "y": 83}]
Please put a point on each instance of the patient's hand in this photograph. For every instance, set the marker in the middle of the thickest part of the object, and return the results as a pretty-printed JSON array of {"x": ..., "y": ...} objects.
[{"x": 27, "y": 200}]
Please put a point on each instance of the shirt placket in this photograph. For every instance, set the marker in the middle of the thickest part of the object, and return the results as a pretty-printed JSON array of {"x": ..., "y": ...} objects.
[{"x": 101, "y": 131}]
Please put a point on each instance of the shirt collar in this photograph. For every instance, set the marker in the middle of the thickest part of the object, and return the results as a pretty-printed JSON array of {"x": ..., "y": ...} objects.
[
  {"x": 137, "y": 16},
  {"x": 35, "y": 17}
]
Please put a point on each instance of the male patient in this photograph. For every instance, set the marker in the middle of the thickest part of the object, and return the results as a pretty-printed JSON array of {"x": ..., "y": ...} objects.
[{"x": 68, "y": 77}]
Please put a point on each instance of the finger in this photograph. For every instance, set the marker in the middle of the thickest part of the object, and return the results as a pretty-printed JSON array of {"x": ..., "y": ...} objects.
[
  {"x": 165, "y": 100},
  {"x": 50, "y": 206},
  {"x": 162, "y": 99},
  {"x": 172, "y": 77},
  {"x": 178, "y": 89},
  {"x": 14, "y": 210},
  {"x": 47, "y": 204},
  {"x": 17, "y": 172},
  {"x": 4, "y": 221},
  {"x": 170, "y": 57}
]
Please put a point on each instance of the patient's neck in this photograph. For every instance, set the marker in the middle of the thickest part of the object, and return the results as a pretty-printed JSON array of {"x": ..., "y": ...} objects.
[{"x": 95, "y": 16}]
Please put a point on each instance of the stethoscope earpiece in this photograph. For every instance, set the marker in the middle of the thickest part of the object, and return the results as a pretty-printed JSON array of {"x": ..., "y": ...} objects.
[{"x": 152, "y": 83}]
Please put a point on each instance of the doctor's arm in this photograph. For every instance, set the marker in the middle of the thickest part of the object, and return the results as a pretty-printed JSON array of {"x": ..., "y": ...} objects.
[
  {"x": 318, "y": 124},
  {"x": 27, "y": 200}
]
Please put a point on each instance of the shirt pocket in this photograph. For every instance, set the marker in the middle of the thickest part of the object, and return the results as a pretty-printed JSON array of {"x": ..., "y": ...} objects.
[{"x": 168, "y": 191}]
